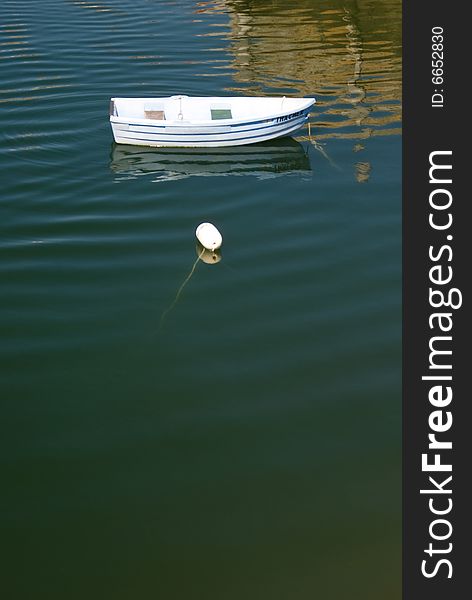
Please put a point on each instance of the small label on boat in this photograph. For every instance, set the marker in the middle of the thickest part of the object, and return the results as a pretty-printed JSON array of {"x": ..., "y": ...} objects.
[{"x": 288, "y": 117}]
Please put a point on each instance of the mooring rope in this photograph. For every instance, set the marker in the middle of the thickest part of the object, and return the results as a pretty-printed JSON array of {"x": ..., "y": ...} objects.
[{"x": 179, "y": 291}]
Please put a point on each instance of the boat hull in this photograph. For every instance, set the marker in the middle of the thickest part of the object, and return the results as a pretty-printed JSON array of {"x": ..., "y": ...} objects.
[{"x": 142, "y": 132}]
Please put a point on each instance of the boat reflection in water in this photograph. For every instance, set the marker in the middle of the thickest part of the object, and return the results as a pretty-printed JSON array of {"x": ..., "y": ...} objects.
[{"x": 265, "y": 160}]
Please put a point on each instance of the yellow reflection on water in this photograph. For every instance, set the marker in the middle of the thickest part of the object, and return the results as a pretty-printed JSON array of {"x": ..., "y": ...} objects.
[{"x": 347, "y": 54}]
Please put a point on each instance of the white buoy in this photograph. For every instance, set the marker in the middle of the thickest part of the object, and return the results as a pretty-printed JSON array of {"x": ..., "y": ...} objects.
[{"x": 209, "y": 236}]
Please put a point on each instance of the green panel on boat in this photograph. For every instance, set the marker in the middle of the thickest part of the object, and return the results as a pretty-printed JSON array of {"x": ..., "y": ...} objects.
[{"x": 221, "y": 113}]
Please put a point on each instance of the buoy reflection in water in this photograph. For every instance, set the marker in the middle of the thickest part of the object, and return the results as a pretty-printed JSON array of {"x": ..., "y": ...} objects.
[{"x": 210, "y": 257}]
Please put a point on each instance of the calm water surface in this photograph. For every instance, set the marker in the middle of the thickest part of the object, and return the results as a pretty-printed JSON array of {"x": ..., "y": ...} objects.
[{"x": 239, "y": 439}]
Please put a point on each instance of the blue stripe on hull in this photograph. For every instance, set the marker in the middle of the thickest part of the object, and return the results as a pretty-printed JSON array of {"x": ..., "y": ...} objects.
[
  {"x": 203, "y": 137},
  {"x": 238, "y": 127},
  {"x": 223, "y": 141},
  {"x": 232, "y": 132}
]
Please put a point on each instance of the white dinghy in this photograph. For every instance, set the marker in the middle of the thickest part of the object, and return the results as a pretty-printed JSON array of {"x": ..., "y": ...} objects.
[{"x": 205, "y": 122}]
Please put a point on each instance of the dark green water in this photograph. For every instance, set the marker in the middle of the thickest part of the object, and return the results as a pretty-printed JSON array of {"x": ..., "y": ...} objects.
[{"x": 248, "y": 445}]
